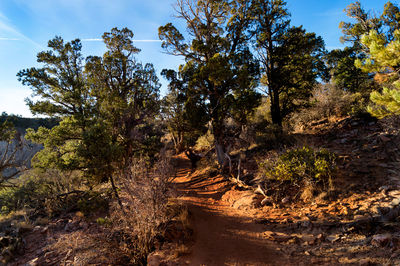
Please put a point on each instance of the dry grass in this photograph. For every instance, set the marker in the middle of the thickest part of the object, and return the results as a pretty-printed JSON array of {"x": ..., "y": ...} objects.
[{"x": 82, "y": 248}]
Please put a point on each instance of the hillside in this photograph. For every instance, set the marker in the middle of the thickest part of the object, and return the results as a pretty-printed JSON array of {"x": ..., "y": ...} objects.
[{"x": 229, "y": 225}]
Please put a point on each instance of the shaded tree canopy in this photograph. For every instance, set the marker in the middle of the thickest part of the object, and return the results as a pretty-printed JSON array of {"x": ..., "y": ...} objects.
[
  {"x": 291, "y": 58},
  {"x": 219, "y": 66}
]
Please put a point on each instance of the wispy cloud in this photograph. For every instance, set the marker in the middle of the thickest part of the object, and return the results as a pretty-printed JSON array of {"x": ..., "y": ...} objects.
[
  {"x": 10, "y": 30},
  {"x": 92, "y": 40},
  {"x": 100, "y": 40},
  {"x": 334, "y": 47},
  {"x": 331, "y": 13},
  {"x": 9, "y": 39},
  {"x": 147, "y": 41}
]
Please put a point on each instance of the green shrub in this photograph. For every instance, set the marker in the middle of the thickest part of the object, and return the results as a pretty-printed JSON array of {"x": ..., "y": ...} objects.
[
  {"x": 205, "y": 142},
  {"x": 51, "y": 192},
  {"x": 300, "y": 166},
  {"x": 103, "y": 221}
]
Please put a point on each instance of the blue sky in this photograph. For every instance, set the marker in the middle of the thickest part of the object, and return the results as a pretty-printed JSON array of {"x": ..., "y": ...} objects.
[{"x": 27, "y": 25}]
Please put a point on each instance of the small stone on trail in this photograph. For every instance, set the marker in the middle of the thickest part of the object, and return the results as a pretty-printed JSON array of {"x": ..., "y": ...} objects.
[
  {"x": 384, "y": 138},
  {"x": 33, "y": 262},
  {"x": 381, "y": 240},
  {"x": 285, "y": 200}
]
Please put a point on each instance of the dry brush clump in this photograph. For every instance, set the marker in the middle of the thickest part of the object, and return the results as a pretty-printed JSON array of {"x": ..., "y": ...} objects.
[
  {"x": 328, "y": 101},
  {"x": 144, "y": 191}
]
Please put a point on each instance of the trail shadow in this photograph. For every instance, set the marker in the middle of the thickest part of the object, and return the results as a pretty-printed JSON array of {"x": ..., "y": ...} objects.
[{"x": 230, "y": 240}]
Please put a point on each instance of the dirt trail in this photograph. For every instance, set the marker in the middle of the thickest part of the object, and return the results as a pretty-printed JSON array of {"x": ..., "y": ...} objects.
[{"x": 222, "y": 235}]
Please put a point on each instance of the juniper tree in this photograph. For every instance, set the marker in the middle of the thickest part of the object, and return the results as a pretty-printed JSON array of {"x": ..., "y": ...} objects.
[
  {"x": 218, "y": 63},
  {"x": 61, "y": 89},
  {"x": 291, "y": 58},
  {"x": 184, "y": 113},
  {"x": 106, "y": 106}
]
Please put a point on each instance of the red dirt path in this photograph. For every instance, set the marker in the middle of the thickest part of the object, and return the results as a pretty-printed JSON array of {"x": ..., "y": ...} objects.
[{"x": 222, "y": 234}]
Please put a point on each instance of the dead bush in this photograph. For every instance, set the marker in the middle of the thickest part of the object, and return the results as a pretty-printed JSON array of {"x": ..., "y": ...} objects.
[
  {"x": 144, "y": 193},
  {"x": 328, "y": 101}
]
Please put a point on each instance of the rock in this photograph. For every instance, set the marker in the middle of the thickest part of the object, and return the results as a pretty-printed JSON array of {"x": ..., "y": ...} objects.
[
  {"x": 358, "y": 217},
  {"x": 384, "y": 138},
  {"x": 277, "y": 237},
  {"x": 266, "y": 202},
  {"x": 287, "y": 221},
  {"x": 305, "y": 224},
  {"x": 285, "y": 200},
  {"x": 321, "y": 237},
  {"x": 33, "y": 262},
  {"x": 44, "y": 230},
  {"x": 395, "y": 202},
  {"x": 381, "y": 240},
  {"x": 154, "y": 259},
  {"x": 37, "y": 228},
  {"x": 294, "y": 240},
  {"x": 333, "y": 238},
  {"x": 245, "y": 203},
  {"x": 366, "y": 262}
]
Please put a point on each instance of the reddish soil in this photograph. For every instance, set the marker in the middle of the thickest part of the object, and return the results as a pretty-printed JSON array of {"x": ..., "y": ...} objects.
[
  {"x": 223, "y": 235},
  {"x": 231, "y": 228}
]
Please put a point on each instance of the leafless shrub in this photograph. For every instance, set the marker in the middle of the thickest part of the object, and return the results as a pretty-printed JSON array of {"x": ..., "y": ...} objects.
[
  {"x": 144, "y": 193},
  {"x": 15, "y": 156},
  {"x": 327, "y": 101}
]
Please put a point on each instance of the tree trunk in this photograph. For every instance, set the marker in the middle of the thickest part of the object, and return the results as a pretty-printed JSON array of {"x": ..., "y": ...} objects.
[
  {"x": 220, "y": 152},
  {"x": 218, "y": 132},
  {"x": 275, "y": 108},
  {"x": 114, "y": 188}
]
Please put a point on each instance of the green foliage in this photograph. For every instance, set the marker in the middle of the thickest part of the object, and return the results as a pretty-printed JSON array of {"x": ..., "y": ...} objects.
[
  {"x": 103, "y": 221},
  {"x": 345, "y": 75},
  {"x": 184, "y": 113},
  {"x": 364, "y": 22},
  {"x": 7, "y": 131},
  {"x": 205, "y": 142},
  {"x": 385, "y": 103},
  {"x": 60, "y": 146},
  {"x": 375, "y": 39},
  {"x": 107, "y": 106},
  {"x": 291, "y": 58},
  {"x": 220, "y": 70},
  {"x": 52, "y": 193},
  {"x": 300, "y": 165},
  {"x": 23, "y": 123},
  {"x": 382, "y": 56},
  {"x": 299, "y": 59}
]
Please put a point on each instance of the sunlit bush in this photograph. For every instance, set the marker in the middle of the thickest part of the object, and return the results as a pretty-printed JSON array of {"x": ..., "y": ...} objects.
[{"x": 300, "y": 168}]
